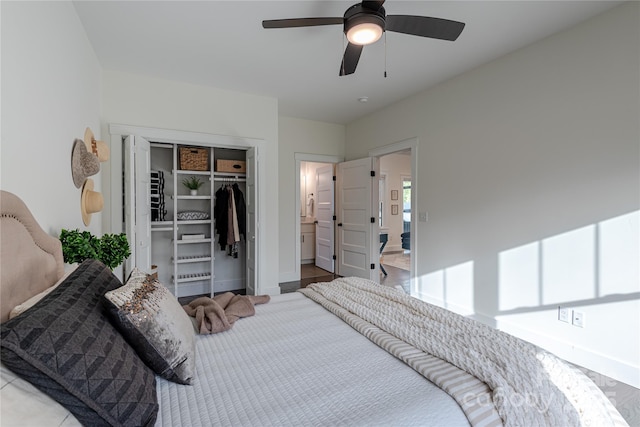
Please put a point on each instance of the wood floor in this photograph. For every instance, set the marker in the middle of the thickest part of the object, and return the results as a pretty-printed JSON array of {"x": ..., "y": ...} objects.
[
  {"x": 309, "y": 273},
  {"x": 624, "y": 397},
  {"x": 396, "y": 277}
]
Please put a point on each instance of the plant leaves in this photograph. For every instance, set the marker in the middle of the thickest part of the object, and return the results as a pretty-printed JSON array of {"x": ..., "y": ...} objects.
[{"x": 110, "y": 249}]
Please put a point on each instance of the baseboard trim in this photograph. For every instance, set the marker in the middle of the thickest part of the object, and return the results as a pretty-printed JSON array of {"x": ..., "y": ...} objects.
[
  {"x": 272, "y": 290},
  {"x": 289, "y": 276},
  {"x": 617, "y": 369}
]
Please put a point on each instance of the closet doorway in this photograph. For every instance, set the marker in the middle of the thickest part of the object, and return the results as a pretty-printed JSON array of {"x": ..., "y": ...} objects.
[{"x": 137, "y": 221}]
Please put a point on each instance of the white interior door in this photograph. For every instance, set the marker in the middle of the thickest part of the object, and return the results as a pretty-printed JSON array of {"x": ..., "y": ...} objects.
[
  {"x": 138, "y": 201},
  {"x": 357, "y": 198},
  {"x": 251, "y": 202},
  {"x": 129, "y": 202},
  {"x": 325, "y": 209}
]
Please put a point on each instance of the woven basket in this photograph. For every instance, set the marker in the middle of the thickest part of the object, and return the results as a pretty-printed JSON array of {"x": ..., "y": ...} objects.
[
  {"x": 194, "y": 159},
  {"x": 234, "y": 166}
]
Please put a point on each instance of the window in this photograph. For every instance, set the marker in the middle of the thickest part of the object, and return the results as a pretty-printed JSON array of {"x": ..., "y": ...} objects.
[
  {"x": 382, "y": 191},
  {"x": 406, "y": 199}
]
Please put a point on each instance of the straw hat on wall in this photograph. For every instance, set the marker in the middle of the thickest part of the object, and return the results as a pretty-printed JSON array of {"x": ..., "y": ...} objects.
[
  {"x": 90, "y": 201},
  {"x": 99, "y": 148},
  {"x": 83, "y": 163}
]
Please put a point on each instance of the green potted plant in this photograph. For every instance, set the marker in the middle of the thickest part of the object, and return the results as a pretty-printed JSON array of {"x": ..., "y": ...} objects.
[
  {"x": 193, "y": 183},
  {"x": 110, "y": 249}
]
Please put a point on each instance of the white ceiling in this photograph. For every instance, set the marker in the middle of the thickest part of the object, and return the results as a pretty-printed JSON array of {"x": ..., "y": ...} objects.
[{"x": 222, "y": 44}]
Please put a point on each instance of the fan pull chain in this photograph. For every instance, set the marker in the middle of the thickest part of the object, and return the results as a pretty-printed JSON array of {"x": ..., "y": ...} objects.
[
  {"x": 385, "y": 54},
  {"x": 344, "y": 46}
]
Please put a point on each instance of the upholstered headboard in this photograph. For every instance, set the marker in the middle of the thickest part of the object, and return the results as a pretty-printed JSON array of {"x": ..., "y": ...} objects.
[{"x": 30, "y": 259}]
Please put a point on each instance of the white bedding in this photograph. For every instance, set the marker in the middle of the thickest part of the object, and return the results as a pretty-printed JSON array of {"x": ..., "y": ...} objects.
[
  {"x": 530, "y": 386},
  {"x": 25, "y": 405},
  {"x": 269, "y": 370}
]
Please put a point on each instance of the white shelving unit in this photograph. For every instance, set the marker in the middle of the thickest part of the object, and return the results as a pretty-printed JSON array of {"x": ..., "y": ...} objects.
[
  {"x": 192, "y": 241},
  {"x": 154, "y": 194},
  {"x": 193, "y": 258},
  {"x": 191, "y": 266}
]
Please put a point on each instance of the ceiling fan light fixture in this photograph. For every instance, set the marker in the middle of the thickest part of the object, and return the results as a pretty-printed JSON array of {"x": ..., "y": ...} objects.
[
  {"x": 364, "y": 33},
  {"x": 365, "y": 22}
]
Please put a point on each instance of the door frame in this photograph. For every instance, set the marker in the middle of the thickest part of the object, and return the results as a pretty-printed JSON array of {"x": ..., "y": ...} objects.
[
  {"x": 356, "y": 215},
  {"x": 411, "y": 144},
  {"x": 324, "y": 224},
  {"x": 299, "y": 158},
  {"x": 114, "y": 220}
]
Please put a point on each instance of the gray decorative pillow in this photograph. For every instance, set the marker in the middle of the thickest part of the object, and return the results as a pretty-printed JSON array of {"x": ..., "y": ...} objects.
[
  {"x": 154, "y": 323},
  {"x": 65, "y": 346}
]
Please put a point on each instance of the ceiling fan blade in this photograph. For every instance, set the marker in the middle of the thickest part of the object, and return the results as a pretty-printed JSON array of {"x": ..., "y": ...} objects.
[
  {"x": 301, "y": 22},
  {"x": 372, "y": 4},
  {"x": 424, "y": 26},
  {"x": 350, "y": 59}
]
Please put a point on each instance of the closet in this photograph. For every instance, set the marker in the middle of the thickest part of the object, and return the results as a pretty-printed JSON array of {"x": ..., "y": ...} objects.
[{"x": 199, "y": 241}]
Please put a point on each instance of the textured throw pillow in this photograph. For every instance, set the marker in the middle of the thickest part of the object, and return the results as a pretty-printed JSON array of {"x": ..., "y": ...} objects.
[
  {"x": 154, "y": 323},
  {"x": 66, "y": 347}
]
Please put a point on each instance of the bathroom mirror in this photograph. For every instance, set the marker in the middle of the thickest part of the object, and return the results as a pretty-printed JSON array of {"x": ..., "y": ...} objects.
[{"x": 303, "y": 193}]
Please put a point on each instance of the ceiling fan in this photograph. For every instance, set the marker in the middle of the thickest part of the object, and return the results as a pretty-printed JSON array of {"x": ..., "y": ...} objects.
[{"x": 364, "y": 24}]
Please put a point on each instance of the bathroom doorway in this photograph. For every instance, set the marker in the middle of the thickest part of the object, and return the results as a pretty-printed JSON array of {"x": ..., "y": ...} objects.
[{"x": 315, "y": 245}]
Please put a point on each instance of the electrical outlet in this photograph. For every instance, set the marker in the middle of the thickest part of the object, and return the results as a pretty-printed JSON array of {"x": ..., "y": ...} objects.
[
  {"x": 578, "y": 319},
  {"x": 564, "y": 314}
]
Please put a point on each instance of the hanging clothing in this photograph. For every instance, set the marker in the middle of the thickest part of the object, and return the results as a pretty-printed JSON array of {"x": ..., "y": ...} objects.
[
  {"x": 233, "y": 235},
  {"x": 230, "y": 215},
  {"x": 241, "y": 210},
  {"x": 220, "y": 214},
  {"x": 236, "y": 232}
]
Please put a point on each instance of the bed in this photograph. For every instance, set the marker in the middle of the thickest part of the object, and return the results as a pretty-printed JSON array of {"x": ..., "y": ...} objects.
[{"x": 348, "y": 352}]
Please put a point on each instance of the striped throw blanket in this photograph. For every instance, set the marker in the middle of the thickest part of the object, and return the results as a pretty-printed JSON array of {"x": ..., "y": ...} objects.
[{"x": 495, "y": 377}]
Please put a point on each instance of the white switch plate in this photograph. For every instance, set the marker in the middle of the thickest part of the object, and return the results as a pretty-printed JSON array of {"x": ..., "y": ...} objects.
[
  {"x": 564, "y": 314},
  {"x": 578, "y": 319},
  {"x": 422, "y": 216}
]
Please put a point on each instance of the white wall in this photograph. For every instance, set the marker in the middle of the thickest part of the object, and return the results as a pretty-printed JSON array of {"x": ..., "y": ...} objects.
[
  {"x": 149, "y": 102},
  {"x": 51, "y": 91},
  {"x": 299, "y": 136},
  {"x": 394, "y": 167},
  {"x": 529, "y": 171}
]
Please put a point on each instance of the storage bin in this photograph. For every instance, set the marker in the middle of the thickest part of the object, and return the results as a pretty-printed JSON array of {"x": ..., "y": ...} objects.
[
  {"x": 232, "y": 166},
  {"x": 194, "y": 159}
]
